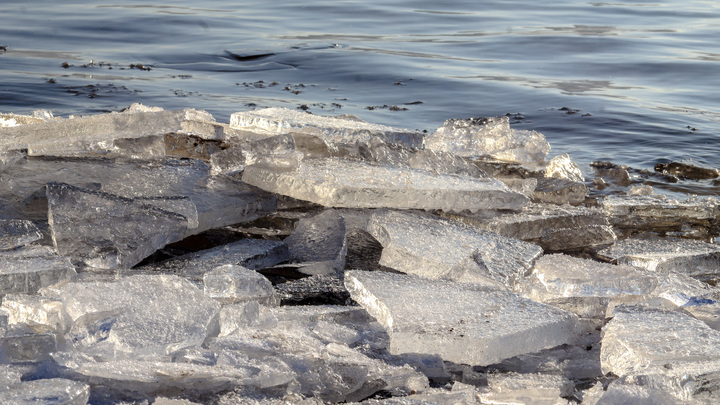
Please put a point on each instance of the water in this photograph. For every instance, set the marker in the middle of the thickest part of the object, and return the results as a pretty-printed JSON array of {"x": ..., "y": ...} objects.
[{"x": 635, "y": 83}]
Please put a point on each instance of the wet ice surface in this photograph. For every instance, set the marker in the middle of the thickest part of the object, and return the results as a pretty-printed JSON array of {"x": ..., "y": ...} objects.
[{"x": 160, "y": 256}]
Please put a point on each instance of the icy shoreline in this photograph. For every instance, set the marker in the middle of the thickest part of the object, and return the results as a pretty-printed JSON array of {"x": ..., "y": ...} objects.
[{"x": 152, "y": 256}]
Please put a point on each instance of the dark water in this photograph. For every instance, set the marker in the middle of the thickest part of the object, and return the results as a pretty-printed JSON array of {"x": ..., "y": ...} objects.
[{"x": 635, "y": 83}]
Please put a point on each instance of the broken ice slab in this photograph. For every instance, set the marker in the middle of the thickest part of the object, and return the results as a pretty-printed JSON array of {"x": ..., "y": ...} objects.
[
  {"x": 661, "y": 214},
  {"x": 147, "y": 147},
  {"x": 27, "y": 269},
  {"x": 140, "y": 316},
  {"x": 694, "y": 258},
  {"x": 253, "y": 254},
  {"x": 562, "y": 166},
  {"x": 69, "y": 137},
  {"x": 661, "y": 349},
  {"x": 39, "y": 314},
  {"x": 459, "y": 322},
  {"x": 276, "y": 151},
  {"x": 435, "y": 248},
  {"x": 22, "y": 345},
  {"x": 17, "y": 232},
  {"x": 56, "y": 391},
  {"x": 559, "y": 191},
  {"x": 320, "y": 239},
  {"x": 108, "y": 231},
  {"x": 232, "y": 283},
  {"x": 514, "y": 388},
  {"x": 551, "y": 226},
  {"x": 342, "y": 183},
  {"x": 489, "y": 136},
  {"x": 278, "y": 121}
]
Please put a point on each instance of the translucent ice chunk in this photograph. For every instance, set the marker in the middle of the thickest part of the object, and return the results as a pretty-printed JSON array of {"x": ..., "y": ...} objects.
[
  {"x": 434, "y": 248},
  {"x": 108, "y": 231},
  {"x": 691, "y": 257},
  {"x": 27, "y": 269},
  {"x": 53, "y": 391},
  {"x": 277, "y": 151},
  {"x": 320, "y": 239},
  {"x": 662, "y": 348},
  {"x": 457, "y": 321},
  {"x": 489, "y": 136},
  {"x": 40, "y": 314},
  {"x": 620, "y": 393},
  {"x": 21, "y": 345},
  {"x": 138, "y": 317},
  {"x": 339, "y": 183},
  {"x": 559, "y": 191},
  {"x": 277, "y": 121},
  {"x": 232, "y": 283},
  {"x": 16, "y": 232},
  {"x": 562, "y": 166},
  {"x": 253, "y": 254},
  {"x": 73, "y": 136},
  {"x": 526, "y": 388}
]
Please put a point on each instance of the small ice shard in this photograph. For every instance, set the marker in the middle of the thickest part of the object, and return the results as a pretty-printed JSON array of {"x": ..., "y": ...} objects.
[
  {"x": 514, "y": 388},
  {"x": 40, "y": 314},
  {"x": 562, "y": 166},
  {"x": 138, "y": 316},
  {"x": 278, "y": 121},
  {"x": 108, "y": 231},
  {"x": 17, "y": 232},
  {"x": 253, "y": 254},
  {"x": 27, "y": 269},
  {"x": 72, "y": 137},
  {"x": 459, "y": 322},
  {"x": 341, "y": 183},
  {"x": 277, "y": 151},
  {"x": 232, "y": 283},
  {"x": 489, "y": 136},
  {"x": 694, "y": 258},
  {"x": 238, "y": 316},
  {"x": 586, "y": 287},
  {"x": 321, "y": 241},
  {"x": 435, "y": 248},
  {"x": 559, "y": 191},
  {"x": 53, "y": 391},
  {"x": 661, "y": 349}
]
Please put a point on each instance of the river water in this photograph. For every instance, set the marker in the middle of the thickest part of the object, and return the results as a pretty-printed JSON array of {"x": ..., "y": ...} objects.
[{"x": 635, "y": 83}]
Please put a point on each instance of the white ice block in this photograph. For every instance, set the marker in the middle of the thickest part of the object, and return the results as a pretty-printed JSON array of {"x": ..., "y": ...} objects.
[
  {"x": 459, "y": 322},
  {"x": 562, "y": 166},
  {"x": 431, "y": 247},
  {"x": 489, "y": 136},
  {"x": 277, "y": 121},
  {"x": 351, "y": 184}
]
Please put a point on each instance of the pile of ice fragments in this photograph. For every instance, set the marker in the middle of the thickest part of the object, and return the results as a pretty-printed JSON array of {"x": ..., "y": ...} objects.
[{"x": 151, "y": 256}]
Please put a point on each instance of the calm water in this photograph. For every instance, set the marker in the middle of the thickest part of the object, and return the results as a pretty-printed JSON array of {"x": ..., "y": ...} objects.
[{"x": 635, "y": 83}]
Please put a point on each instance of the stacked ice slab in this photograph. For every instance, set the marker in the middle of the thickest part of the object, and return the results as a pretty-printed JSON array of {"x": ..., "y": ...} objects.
[{"x": 152, "y": 256}]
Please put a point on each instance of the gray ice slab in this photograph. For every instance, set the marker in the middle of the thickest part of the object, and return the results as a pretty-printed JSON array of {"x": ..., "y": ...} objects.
[
  {"x": 691, "y": 257},
  {"x": 27, "y": 269},
  {"x": 351, "y": 184},
  {"x": 489, "y": 136},
  {"x": 277, "y": 121},
  {"x": 138, "y": 317},
  {"x": 320, "y": 239},
  {"x": 567, "y": 239},
  {"x": 231, "y": 283},
  {"x": 22, "y": 345},
  {"x": 277, "y": 151},
  {"x": 459, "y": 322},
  {"x": 435, "y": 248},
  {"x": 559, "y": 191},
  {"x": 253, "y": 254},
  {"x": 108, "y": 231},
  {"x": 53, "y": 391},
  {"x": 661, "y": 349},
  {"x": 564, "y": 167},
  {"x": 17, "y": 232}
]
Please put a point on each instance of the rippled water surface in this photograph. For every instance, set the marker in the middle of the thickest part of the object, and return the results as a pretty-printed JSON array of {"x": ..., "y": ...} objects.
[{"x": 635, "y": 83}]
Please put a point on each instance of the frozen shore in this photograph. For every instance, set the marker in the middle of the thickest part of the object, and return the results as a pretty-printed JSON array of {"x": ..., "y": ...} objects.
[{"x": 152, "y": 256}]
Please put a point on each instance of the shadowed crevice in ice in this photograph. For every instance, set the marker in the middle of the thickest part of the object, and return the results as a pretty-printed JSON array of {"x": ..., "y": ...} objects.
[
  {"x": 435, "y": 248},
  {"x": 352, "y": 184},
  {"x": 17, "y": 232},
  {"x": 108, "y": 231},
  {"x": 460, "y": 322}
]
